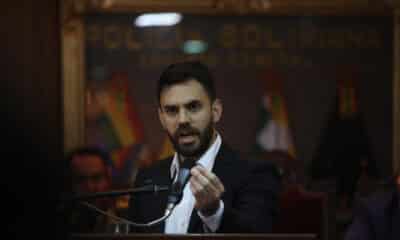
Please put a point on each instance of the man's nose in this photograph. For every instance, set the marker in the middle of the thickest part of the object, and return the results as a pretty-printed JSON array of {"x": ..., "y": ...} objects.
[{"x": 183, "y": 116}]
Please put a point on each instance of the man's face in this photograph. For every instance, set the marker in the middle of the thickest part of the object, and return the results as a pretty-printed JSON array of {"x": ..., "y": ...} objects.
[
  {"x": 188, "y": 115},
  {"x": 90, "y": 174}
]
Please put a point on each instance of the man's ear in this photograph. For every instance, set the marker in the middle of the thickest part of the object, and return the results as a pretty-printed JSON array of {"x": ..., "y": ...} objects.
[
  {"x": 216, "y": 109},
  {"x": 161, "y": 117}
]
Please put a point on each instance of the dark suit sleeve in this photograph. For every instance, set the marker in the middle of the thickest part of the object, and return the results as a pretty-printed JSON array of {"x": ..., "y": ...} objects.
[
  {"x": 254, "y": 204},
  {"x": 147, "y": 207},
  {"x": 135, "y": 213},
  {"x": 360, "y": 228}
]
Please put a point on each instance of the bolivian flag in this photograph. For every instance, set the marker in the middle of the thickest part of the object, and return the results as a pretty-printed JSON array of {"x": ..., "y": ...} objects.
[
  {"x": 273, "y": 133},
  {"x": 120, "y": 124}
]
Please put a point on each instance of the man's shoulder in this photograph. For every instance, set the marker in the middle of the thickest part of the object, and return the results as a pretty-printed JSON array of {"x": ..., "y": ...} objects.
[
  {"x": 164, "y": 163},
  {"x": 378, "y": 203},
  {"x": 246, "y": 162},
  {"x": 228, "y": 158},
  {"x": 379, "y": 198},
  {"x": 157, "y": 169}
]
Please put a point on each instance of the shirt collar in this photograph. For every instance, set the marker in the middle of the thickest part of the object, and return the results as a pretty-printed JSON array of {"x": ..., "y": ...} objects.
[{"x": 206, "y": 160}]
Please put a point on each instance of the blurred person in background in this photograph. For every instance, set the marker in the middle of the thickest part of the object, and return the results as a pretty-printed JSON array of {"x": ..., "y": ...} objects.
[
  {"x": 378, "y": 216},
  {"x": 90, "y": 172}
]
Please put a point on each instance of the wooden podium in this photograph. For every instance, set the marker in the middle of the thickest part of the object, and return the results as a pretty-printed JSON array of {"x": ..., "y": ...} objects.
[{"x": 279, "y": 236}]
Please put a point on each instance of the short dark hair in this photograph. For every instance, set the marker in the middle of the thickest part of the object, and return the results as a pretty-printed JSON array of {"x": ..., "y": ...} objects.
[
  {"x": 68, "y": 170},
  {"x": 183, "y": 71},
  {"x": 94, "y": 151}
]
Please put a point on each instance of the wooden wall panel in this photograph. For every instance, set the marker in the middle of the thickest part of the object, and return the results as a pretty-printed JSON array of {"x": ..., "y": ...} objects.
[
  {"x": 396, "y": 90},
  {"x": 32, "y": 121},
  {"x": 31, "y": 72}
]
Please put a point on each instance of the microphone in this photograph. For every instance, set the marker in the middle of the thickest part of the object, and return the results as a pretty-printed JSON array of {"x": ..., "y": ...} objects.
[
  {"x": 176, "y": 193},
  {"x": 80, "y": 198},
  {"x": 68, "y": 201},
  {"x": 116, "y": 193}
]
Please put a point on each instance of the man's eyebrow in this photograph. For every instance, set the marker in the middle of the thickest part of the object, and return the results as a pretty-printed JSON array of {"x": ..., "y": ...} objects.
[
  {"x": 195, "y": 101},
  {"x": 184, "y": 104},
  {"x": 169, "y": 105}
]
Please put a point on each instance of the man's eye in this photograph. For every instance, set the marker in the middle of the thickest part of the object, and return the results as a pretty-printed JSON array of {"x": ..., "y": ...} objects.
[
  {"x": 171, "y": 110},
  {"x": 194, "y": 106}
]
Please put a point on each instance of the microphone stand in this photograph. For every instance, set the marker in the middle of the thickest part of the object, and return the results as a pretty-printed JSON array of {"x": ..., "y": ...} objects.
[
  {"x": 126, "y": 221},
  {"x": 145, "y": 189}
]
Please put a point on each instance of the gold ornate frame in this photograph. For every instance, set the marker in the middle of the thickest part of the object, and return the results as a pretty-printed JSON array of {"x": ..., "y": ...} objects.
[{"x": 73, "y": 34}]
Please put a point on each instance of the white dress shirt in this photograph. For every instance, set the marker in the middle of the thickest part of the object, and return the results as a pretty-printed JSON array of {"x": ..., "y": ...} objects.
[{"x": 179, "y": 220}]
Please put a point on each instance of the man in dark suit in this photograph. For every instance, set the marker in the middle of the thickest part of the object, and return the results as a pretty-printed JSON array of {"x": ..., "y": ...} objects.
[
  {"x": 224, "y": 194},
  {"x": 378, "y": 217}
]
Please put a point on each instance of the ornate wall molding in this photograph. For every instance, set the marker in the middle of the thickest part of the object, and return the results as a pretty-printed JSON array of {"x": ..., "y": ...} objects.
[
  {"x": 393, "y": 3},
  {"x": 73, "y": 72},
  {"x": 396, "y": 90},
  {"x": 273, "y": 7}
]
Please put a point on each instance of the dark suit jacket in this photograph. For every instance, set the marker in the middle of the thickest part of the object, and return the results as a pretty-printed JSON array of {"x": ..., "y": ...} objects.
[
  {"x": 377, "y": 217},
  {"x": 250, "y": 198}
]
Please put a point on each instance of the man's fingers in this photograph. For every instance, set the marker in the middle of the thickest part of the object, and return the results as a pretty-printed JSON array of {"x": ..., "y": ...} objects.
[
  {"x": 217, "y": 183},
  {"x": 202, "y": 170},
  {"x": 199, "y": 176},
  {"x": 203, "y": 185},
  {"x": 198, "y": 189},
  {"x": 210, "y": 177}
]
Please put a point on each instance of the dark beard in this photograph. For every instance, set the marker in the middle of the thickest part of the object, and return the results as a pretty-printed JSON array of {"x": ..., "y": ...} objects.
[{"x": 188, "y": 150}]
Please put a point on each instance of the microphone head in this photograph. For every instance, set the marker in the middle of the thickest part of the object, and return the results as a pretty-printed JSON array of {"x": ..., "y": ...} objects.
[
  {"x": 183, "y": 177},
  {"x": 184, "y": 173}
]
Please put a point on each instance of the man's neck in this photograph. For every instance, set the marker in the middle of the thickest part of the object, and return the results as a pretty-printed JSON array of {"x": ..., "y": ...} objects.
[{"x": 187, "y": 159}]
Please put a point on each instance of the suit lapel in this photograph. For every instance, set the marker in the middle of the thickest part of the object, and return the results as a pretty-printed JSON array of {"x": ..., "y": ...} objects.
[
  {"x": 395, "y": 233},
  {"x": 223, "y": 165},
  {"x": 387, "y": 224},
  {"x": 393, "y": 217}
]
